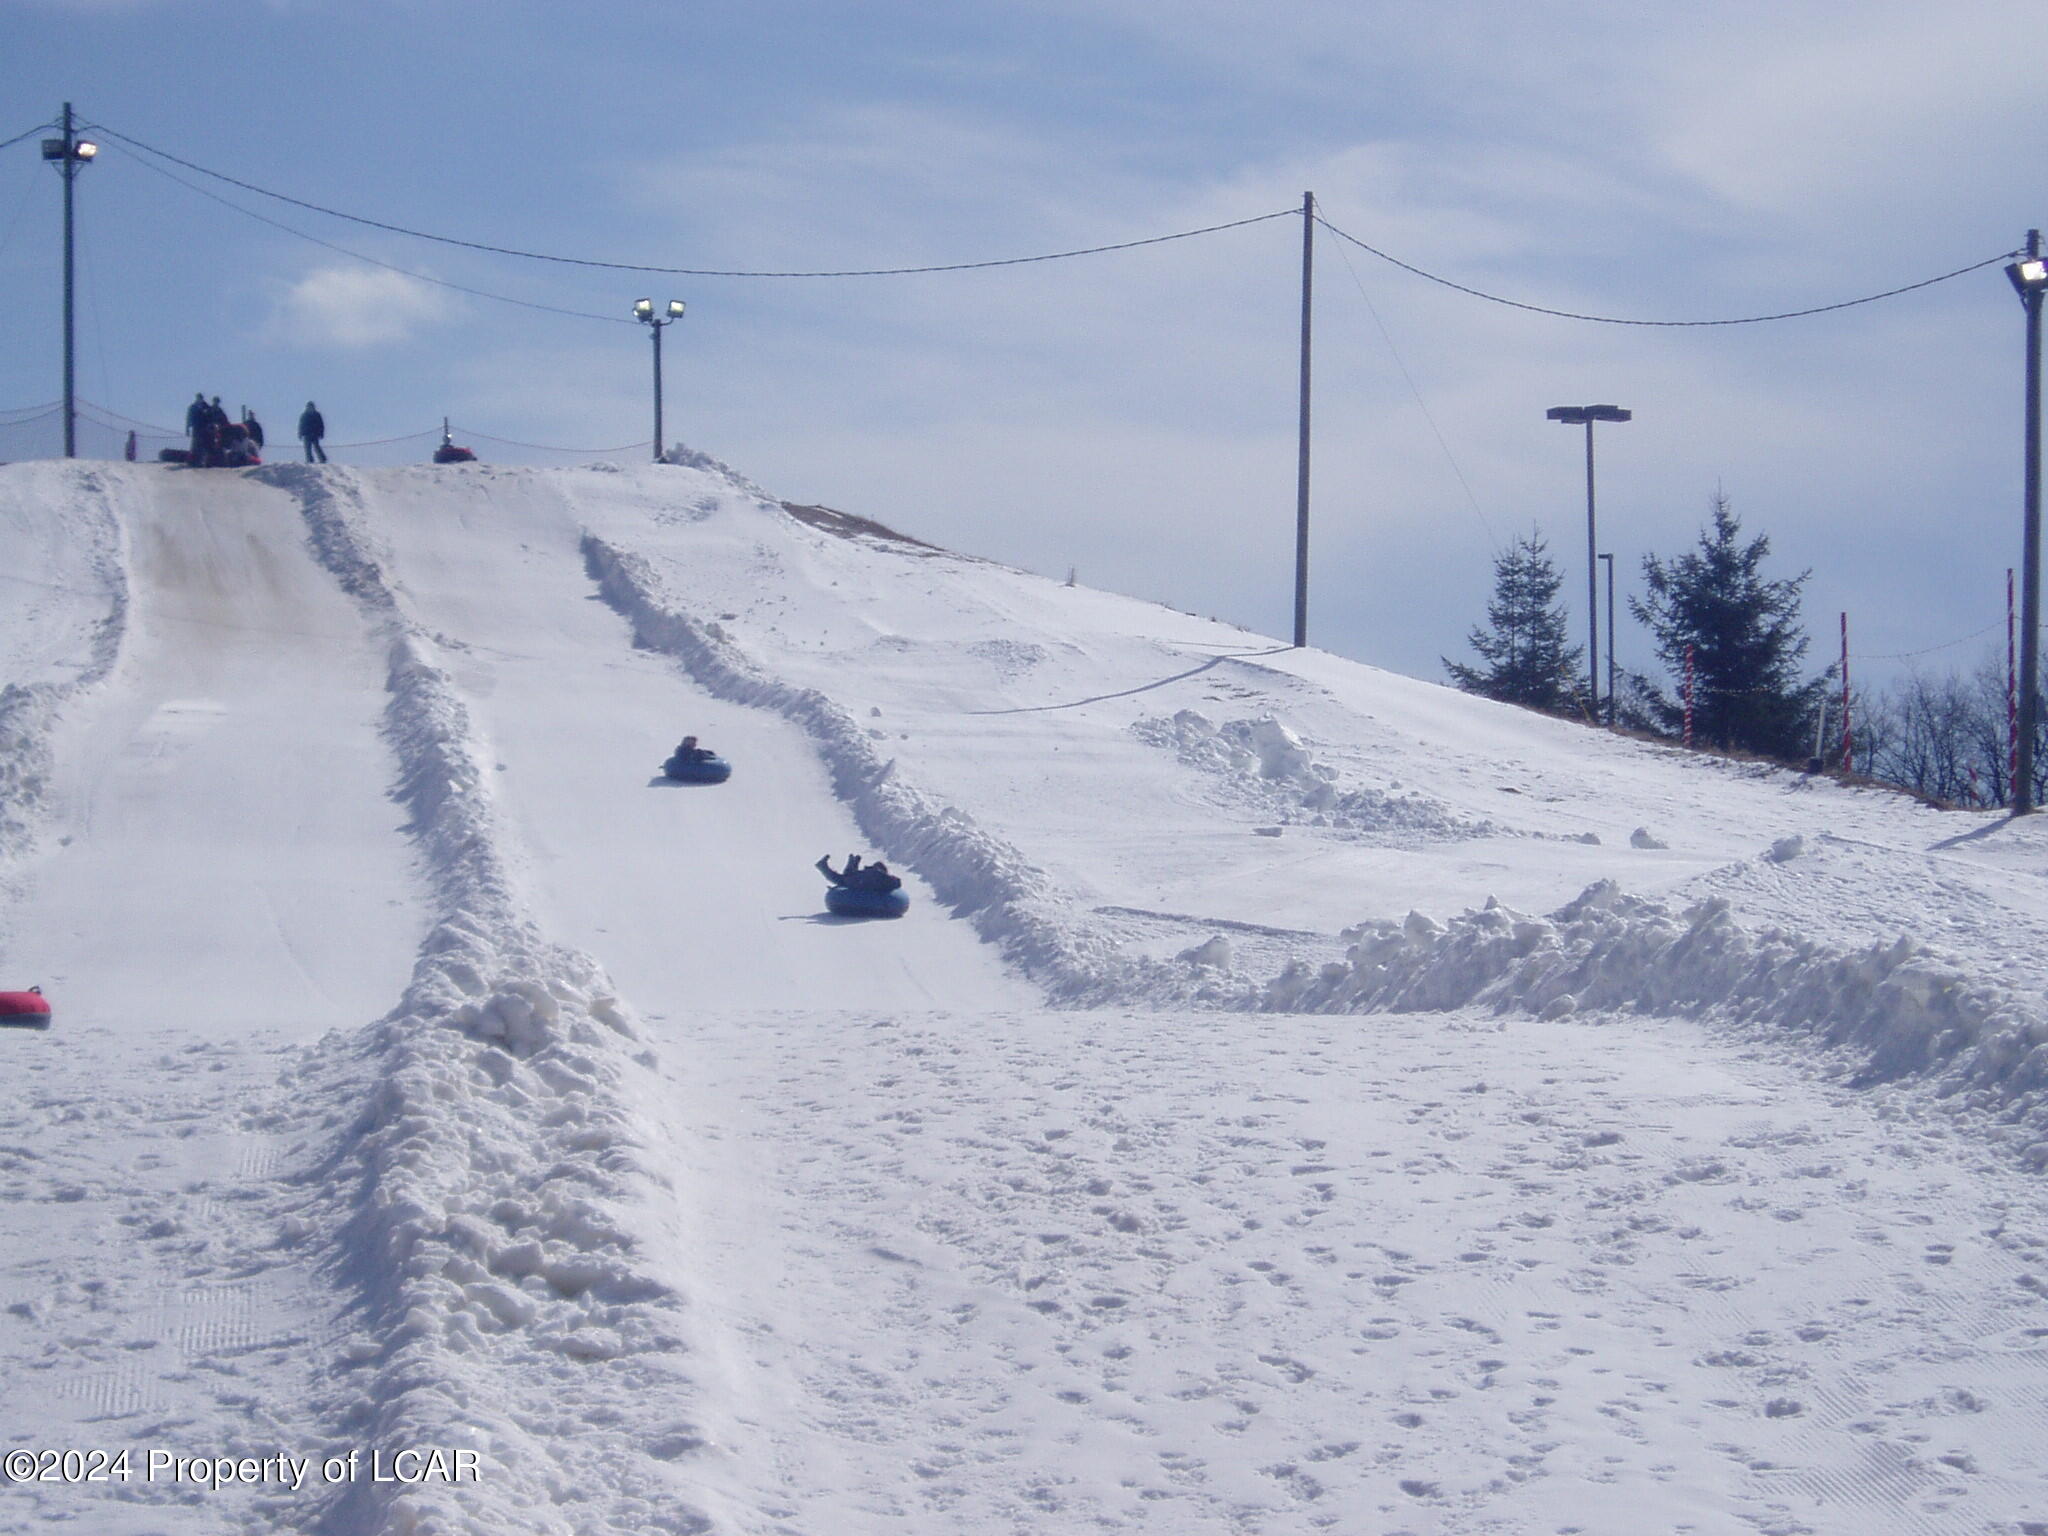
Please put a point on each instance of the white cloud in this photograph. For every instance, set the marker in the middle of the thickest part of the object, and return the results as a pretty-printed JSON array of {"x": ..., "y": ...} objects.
[{"x": 356, "y": 307}]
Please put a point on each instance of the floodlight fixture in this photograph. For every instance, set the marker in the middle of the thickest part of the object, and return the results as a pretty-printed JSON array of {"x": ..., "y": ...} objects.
[
  {"x": 1579, "y": 415},
  {"x": 2028, "y": 275},
  {"x": 643, "y": 309},
  {"x": 675, "y": 309}
]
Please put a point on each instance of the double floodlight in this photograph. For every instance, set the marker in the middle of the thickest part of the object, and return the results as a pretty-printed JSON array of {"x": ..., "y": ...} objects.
[
  {"x": 1579, "y": 415},
  {"x": 72, "y": 149},
  {"x": 643, "y": 309}
]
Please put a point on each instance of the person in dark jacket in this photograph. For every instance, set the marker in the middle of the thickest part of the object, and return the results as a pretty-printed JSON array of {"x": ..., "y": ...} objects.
[
  {"x": 196, "y": 418},
  {"x": 217, "y": 434},
  {"x": 252, "y": 426},
  {"x": 313, "y": 427},
  {"x": 856, "y": 877},
  {"x": 690, "y": 752}
]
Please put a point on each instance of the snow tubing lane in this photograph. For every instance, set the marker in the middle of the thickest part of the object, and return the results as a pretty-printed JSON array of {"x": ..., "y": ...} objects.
[
  {"x": 713, "y": 770},
  {"x": 25, "y": 1010},
  {"x": 848, "y": 903}
]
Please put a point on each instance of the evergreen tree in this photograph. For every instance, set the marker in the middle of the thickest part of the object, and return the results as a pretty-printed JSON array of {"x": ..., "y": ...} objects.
[
  {"x": 1527, "y": 660},
  {"x": 1744, "y": 634}
]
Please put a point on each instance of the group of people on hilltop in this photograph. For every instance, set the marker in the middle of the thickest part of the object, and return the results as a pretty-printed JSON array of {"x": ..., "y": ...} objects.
[{"x": 220, "y": 442}]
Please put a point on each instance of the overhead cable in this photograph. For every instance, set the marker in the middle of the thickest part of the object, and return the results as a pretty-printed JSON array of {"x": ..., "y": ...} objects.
[
  {"x": 39, "y": 128},
  {"x": 1566, "y": 314},
  {"x": 478, "y": 293},
  {"x": 627, "y": 266}
]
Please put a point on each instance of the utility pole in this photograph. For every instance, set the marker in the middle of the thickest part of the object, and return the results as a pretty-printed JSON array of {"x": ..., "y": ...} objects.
[
  {"x": 2030, "y": 276},
  {"x": 1610, "y": 639},
  {"x": 657, "y": 393},
  {"x": 1586, "y": 415},
  {"x": 643, "y": 311},
  {"x": 1308, "y": 270},
  {"x": 68, "y": 154}
]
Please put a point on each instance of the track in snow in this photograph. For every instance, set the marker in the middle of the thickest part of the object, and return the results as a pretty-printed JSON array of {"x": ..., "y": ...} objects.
[
  {"x": 692, "y": 896},
  {"x": 219, "y": 816}
]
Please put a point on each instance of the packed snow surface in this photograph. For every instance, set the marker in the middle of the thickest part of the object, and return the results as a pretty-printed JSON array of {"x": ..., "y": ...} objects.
[{"x": 1300, "y": 1098}]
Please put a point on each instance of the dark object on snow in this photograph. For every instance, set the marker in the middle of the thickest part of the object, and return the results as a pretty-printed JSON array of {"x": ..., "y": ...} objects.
[
  {"x": 233, "y": 448},
  {"x": 863, "y": 890},
  {"x": 448, "y": 453},
  {"x": 846, "y": 901},
  {"x": 709, "y": 768},
  {"x": 25, "y": 1010},
  {"x": 693, "y": 764},
  {"x": 174, "y": 455}
]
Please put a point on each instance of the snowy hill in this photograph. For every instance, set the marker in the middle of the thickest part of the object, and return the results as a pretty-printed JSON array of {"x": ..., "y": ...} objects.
[{"x": 1300, "y": 1097}]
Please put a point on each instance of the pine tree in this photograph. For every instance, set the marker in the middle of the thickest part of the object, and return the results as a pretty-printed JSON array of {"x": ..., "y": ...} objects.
[
  {"x": 1746, "y": 644},
  {"x": 1527, "y": 660}
]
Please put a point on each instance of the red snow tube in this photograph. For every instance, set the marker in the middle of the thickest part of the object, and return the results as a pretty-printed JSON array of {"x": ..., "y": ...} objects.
[{"x": 29, "y": 1008}]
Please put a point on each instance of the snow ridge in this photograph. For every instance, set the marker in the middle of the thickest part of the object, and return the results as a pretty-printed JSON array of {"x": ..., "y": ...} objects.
[
  {"x": 480, "y": 1200},
  {"x": 1010, "y": 901},
  {"x": 29, "y": 711},
  {"x": 1262, "y": 762},
  {"x": 1899, "y": 1016}
]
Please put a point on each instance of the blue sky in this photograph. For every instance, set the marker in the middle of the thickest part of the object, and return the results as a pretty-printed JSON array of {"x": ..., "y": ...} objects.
[{"x": 1131, "y": 414}]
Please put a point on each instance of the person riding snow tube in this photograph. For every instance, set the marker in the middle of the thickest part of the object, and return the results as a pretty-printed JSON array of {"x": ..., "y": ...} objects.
[
  {"x": 693, "y": 764},
  {"x": 863, "y": 891},
  {"x": 27, "y": 1010}
]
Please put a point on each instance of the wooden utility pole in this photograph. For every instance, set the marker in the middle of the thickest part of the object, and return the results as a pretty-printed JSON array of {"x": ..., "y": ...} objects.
[{"x": 1308, "y": 270}]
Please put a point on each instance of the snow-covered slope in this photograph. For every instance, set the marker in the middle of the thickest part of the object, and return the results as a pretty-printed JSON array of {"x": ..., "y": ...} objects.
[{"x": 1299, "y": 1098}]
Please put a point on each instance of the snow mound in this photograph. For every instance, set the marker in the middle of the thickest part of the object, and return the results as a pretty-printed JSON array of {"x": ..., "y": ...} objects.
[
  {"x": 1262, "y": 764},
  {"x": 487, "y": 1162},
  {"x": 1894, "y": 1014},
  {"x": 1010, "y": 901},
  {"x": 73, "y": 589}
]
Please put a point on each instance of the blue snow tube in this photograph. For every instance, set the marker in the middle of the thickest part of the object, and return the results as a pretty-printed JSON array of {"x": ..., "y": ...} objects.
[
  {"x": 849, "y": 902},
  {"x": 708, "y": 770}
]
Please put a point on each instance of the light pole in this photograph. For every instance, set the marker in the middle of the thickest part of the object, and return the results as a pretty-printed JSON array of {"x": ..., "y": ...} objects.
[
  {"x": 68, "y": 154},
  {"x": 1610, "y": 638},
  {"x": 2030, "y": 277},
  {"x": 1576, "y": 415},
  {"x": 643, "y": 311}
]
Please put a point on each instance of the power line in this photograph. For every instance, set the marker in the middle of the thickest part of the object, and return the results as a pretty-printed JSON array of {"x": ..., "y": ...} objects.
[
  {"x": 39, "y": 128},
  {"x": 1566, "y": 314},
  {"x": 513, "y": 442},
  {"x": 421, "y": 277},
  {"x": 627, "y": 266},
  {"x": 1421, "y": 404},
  {"x": 1931, "y": 649}
]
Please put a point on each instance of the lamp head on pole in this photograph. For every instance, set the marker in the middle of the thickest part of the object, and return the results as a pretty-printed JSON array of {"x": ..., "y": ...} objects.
[
  {"x": 643, "y": 309},
  {"x": 2029, "y": 276},
  {"x": 69, "y": 154},
  {"x": 675, "y": 309},
  {"x": 1579, "y": 415}
]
